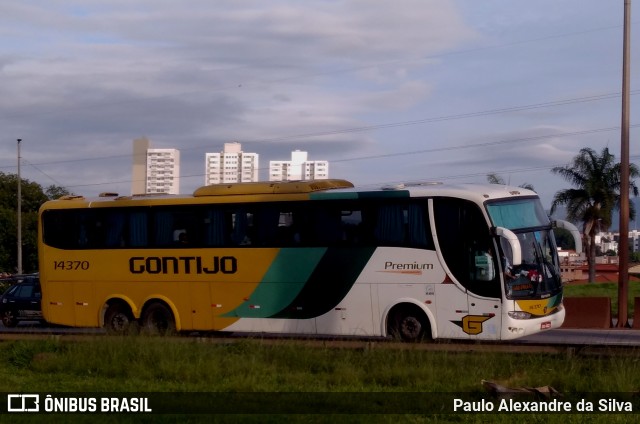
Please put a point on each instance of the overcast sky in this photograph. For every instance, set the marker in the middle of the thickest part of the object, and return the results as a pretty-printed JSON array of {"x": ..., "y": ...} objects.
[{"x": 386, "y": 91}]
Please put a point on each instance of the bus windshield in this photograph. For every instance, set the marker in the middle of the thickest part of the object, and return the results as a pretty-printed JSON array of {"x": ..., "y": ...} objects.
[
  {"x": 539, "y": 274},
  {"x": 517, "y": 214}
]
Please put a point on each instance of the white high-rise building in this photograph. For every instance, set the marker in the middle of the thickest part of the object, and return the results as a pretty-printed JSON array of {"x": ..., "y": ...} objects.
[
  {"x": 232, "y": 165},
  {"x": 298, "y": 168},
  {"x": 163, "y": 171},
  {"x": 154, "y": 170}
]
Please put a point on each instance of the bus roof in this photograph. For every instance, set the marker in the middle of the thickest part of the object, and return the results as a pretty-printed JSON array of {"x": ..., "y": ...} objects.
[
  {"x": 281, "y": 187},
  {"x": 478, "y": 193},
  {"x": 297, "y": 190}
]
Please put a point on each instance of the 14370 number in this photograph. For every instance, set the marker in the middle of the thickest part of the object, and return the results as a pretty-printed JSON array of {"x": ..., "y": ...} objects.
[{"x": 71, "y": 265}]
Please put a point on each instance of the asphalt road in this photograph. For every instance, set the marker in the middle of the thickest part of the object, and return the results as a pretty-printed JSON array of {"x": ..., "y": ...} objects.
[
  {"x": 569, "y": 337},
  {"x": 608, "y": 337}
]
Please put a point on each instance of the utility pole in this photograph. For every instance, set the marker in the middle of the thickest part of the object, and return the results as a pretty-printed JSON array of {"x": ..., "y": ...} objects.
[
  {"x": 623, "y": 245},
  {"x": 19, "y": 213}
]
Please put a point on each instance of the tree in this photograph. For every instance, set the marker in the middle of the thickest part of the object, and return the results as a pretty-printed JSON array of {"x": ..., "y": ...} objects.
[
  {"x": 55, "y": 192},
  {"x": 596, "y": 195},
  {"x": 32, "y": 198},
  {"x": 497, "y": 179}
]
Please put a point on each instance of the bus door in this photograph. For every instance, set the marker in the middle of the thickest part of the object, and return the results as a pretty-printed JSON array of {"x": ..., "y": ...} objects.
[{"x": 465, "y": 243}]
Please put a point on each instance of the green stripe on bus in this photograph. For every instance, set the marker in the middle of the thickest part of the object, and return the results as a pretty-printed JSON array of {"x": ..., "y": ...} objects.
[
  {"x": 283, "y": 281},
  {"x": 555, "y": 301},
  {"x": 330, "y": 195},
  {"x": 329, "y": 283},
  {"x": 385, "y": 194}
]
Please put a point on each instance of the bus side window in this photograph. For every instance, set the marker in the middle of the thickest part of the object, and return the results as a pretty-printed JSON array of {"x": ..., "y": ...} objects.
[
  {"x": 215, "y": 227},
  {"x": 240, "y": 228},
  {"x": 351, "y": 227},
  {"x": 389, "y": 228},
  {"x": 325, "y": 226},
  {"x": 138, "y": 229},
  {"x": 265, "y": 223},
  {"x": 164, "y": 234},
  {"x": 114, "y": 231},
  {"x": 287, "y": 233},
  {"x": 82, "y": 240}
]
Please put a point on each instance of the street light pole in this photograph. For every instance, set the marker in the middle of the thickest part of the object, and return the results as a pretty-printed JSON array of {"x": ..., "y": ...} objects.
[
  {"x": 19, "y": 213},
  {"x": 623, "y": 246}
]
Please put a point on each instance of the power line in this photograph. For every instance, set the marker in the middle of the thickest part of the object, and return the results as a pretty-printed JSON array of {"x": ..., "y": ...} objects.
[
  {"x": 562, "y": 102},
  {"x": 488, "y": 143},
  {"x": 43, "y": 173},
  {"x": 438, "y": 149}
]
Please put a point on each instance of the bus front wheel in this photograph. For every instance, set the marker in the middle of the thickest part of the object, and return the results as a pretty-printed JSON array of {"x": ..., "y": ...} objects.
[
  {"x": 118, "y": 319},
  {"x": 157, "y": 319},
  {"x": 409, "y": 323}
]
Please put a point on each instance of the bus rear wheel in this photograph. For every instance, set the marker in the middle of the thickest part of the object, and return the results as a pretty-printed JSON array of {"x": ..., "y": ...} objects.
[
  {"x": 409, "y": 324},
  {"x": 118, "y": 319},
  {"x": 157, "y": 319}
]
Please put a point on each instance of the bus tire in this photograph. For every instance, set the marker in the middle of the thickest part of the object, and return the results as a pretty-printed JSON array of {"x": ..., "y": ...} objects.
[
  {"x": 408, "y": 323},
  {"x": 157, "y": 319},
  {"x": 119, "y": 320}
]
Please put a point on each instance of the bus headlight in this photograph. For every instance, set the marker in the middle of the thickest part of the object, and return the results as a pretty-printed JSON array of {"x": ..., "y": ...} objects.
[{"x": 519, "y": 315}]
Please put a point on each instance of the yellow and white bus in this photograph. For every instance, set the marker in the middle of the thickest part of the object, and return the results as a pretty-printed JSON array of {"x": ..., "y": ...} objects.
[{"x": 307, "y": 257}]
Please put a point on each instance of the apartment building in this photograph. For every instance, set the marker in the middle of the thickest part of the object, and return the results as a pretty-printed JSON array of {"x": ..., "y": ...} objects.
[
  {"x": 154, "y": 170},
  {"x": 232, "y": 165},
  {"x": 298, "y": 168},
  {"x": 163, "y": 171}
]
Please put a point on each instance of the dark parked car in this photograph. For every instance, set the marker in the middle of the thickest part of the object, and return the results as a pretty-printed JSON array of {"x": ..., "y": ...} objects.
[{"x": 21, "y": 302}]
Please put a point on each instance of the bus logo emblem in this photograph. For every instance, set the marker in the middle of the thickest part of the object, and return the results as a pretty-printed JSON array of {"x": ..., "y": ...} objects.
[{"x": 472, "y": 324}]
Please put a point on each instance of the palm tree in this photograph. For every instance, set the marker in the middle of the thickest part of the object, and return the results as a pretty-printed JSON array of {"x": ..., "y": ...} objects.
[
  {"x": 596, "y": 179},
  {"x": 497, "y": 179}
]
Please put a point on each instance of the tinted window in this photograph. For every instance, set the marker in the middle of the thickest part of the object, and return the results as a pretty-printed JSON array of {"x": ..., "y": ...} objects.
[
  {"x": 518, "y": 213},
  {"x": 467, "y": 245},
  {"x": 278, "y": 224}
]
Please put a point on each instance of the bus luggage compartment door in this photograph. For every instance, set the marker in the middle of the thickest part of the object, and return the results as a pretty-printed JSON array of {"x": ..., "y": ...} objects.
[{"x": 86, "y": 312}]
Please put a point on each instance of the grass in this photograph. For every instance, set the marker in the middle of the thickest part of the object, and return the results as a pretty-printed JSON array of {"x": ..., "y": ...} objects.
[
  {"x": 604, "y": 290},
  {"x": 304, "y": 373}
]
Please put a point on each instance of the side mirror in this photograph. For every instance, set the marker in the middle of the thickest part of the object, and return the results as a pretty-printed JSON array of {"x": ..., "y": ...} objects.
[
  {"x": 577, "y": 238},
  {"x": 514, "y": 244}
]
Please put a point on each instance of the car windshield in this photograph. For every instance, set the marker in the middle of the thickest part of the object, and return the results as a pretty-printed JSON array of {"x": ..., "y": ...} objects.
[
  {"x": 25, "y": 289},
  {"x": 12, "y": 289}
]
